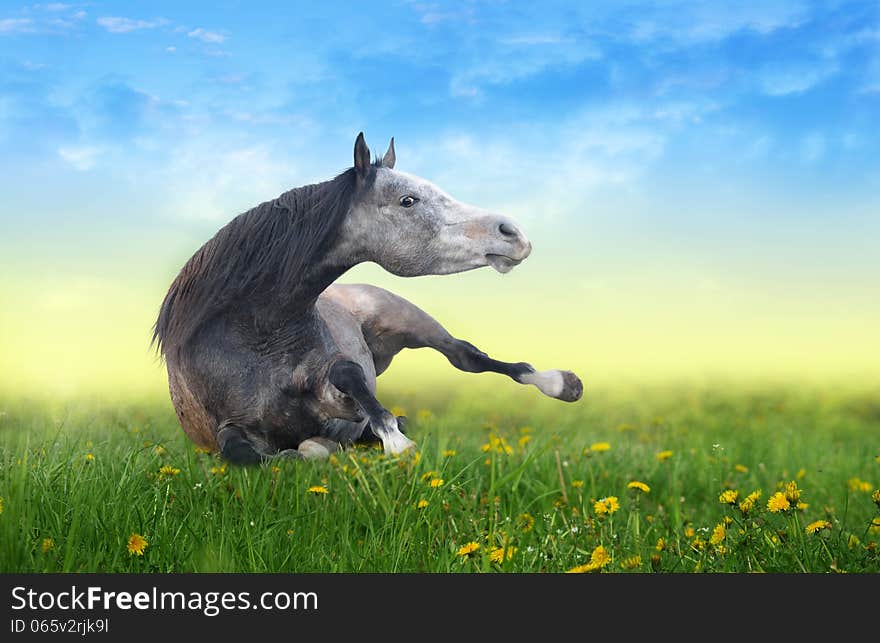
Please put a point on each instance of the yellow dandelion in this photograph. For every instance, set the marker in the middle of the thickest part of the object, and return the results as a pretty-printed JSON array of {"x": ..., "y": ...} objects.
[
  {"x": 801, "y": 473},
  {"x": 718, "y": 534},
  {"x": 606, "y": 505},
  {"x": 876, "y": 497},
  {"x": 664, "y": 455},
  {"x": 424, "y": 415},
  {"x": 202, "y": 450},
  {"x": 428, "y": 474},
  {"x": 318, "y": 490},
  {"x": 749, "y": 501},
  {"x": 582, "y": 569},
  {"x": 168, "y": 470},
  {"x": 853, "y": 541},
  {"x": 421, "y": 504},
  {"x": 778, "y": 502},
  {"x": 398, "y": 411},
  {"x": 661, "y": 544},
  {"x": 860, "y": 485},
  {"x": 816, "y": 527},
  {"x": 1, "y": 504},
  {"x": 499, "y": 554},
  {"x": 623, "y": 428},
  {"x": 524, "y": 440},
  {"x": 631, "y": 563},
  {"x": 600, "y": 557},
  {"x": 468, "y": 549},
  {"x": 792, "y": 493},
  {"x": 525, "y": 522},
  {"x": 276, "y": 470},
  {"x": 577, "y": 484},
  {"x": 639, "y": 486},
  {"x": 600, "y": 447},
  {"x": 448, "y": 453},
  {"x": 159, "y": 450},
  {"x": 290, "y": 532},
  {"x": 689, "y": 532},
  {"x": 729, "y": 497},
  {"x": 219, "y": 471},
  {"x": 741, "y": 468},
  {"x": 436, "y": 482},
  {"x": 802, "y": 506},
  {"x": 698, "y": 544},
  {"x": 89, "y": 457},
  {"x": 137, "y": 544},
  {"x": 47, "y": 545}
]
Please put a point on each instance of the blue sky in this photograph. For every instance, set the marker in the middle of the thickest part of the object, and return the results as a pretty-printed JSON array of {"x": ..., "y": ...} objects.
[{"x": 677, "y": 148}]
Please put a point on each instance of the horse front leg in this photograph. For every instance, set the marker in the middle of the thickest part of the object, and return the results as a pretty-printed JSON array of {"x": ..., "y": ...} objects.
[{"x": 349, "y": 378}]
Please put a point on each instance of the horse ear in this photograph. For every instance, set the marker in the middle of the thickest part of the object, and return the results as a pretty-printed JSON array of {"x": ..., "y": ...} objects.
[
  {"x": 389, "y": 158},
  {"x": 361, "y": 156}
]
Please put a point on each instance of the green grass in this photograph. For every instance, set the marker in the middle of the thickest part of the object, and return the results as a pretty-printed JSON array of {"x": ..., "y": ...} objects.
[{"x": 538, "y": 472}]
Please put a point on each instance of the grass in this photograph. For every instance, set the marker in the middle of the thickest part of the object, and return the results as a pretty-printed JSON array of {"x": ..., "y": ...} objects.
[{"x": 519, "y": 479}]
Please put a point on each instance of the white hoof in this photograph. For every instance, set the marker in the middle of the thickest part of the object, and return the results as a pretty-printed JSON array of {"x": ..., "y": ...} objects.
[{"x": 550, "y": 383}]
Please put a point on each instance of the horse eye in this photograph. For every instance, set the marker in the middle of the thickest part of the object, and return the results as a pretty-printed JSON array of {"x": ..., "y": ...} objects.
[{"x": 408, "y": 201}]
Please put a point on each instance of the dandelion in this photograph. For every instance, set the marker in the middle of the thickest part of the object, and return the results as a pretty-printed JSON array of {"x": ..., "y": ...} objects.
[
  {"x": 421, "y": 504},
  {"x": 600, "y": 447},
  {"x": 1, "y": 504},
  {"x": 741, "y": 468},
  {"x": 718, "y": 534},
  {"x": 598, "y": 559},
  {"x": 497, "y": 444},
  {"x": 688, "y": 532},
  {"x": 424, "y": 415},
  {"x": 801, "y": 473},
  {"x": 428, "y": 474},
  {"x": 816, "y": 527},
  {"x": 137, "y": 544},
  {"x": 398, "y": 411},
  {"x": 860, "y": 485},
  {"x": 525, "y": 522},
  {"x": 577, "y": 484},
  {"x": 159, "y": 449},
  {"x": 436, "y": 482},
  {"x": 524, "y": 440},
  {"x": 792, "y": 493},
  {"x": 778, "y": 502},
  {"x": 89, "y": 457},
  {"x": 606, "y": 505},
  {"x": 729, "y": 497},
  {"x": 202, "y": 450},
  {"x": 448, "y": 453},
  {"x": 631, "y": 563},
  {"x": 219, "y": 471},
  {"x": 749, "y": 502},
  {"x": 876, "y": 497},
  {"x": 853, "y": 541},
  {"x": 290, "y": 532},
  {"x": 47, "y": 545},
  {"x": 168, "y": 470},
  {"x": 639, "y": 486},
  {"x": 468, "y": 549},
  {"x": 661, "y": 544},
  {"x": 664, "y": 455},
  {"x": 318, "y": 490},
  {"x": 499, "y": 554}
]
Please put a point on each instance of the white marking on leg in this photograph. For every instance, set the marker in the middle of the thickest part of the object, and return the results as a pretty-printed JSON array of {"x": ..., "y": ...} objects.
[
  {"x": 549, "y": 383},
  {"x": 393, "y": 441}
]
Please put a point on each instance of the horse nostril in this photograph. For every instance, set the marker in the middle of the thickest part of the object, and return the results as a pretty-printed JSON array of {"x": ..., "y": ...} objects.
[{"x": 508, "y": 230}]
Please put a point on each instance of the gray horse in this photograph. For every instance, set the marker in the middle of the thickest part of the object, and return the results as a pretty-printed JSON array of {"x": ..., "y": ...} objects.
[{"x": 266, "y": 358}]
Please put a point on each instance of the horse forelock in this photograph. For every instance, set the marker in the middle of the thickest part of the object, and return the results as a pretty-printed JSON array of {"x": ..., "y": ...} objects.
[{"x": 260, "y": 256}]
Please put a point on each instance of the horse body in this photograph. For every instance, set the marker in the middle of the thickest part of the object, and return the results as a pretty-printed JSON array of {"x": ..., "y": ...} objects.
[{"x": 266, "y": 358}]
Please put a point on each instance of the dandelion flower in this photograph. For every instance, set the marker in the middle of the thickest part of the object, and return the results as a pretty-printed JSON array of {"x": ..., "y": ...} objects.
[
  {"x": 778, "y": 502},
  {"x": 815, "y": 527},
  {"x": 640, "y": 486},
  {"x": 664, "y": 455},
  {"x": 468, "y": 549},
  {"x": 792, "y": 493},
  {"x": 606, "y": 506},
  {"x": 437, "y": 482},
  {"x": 159, "y": 449},
  {"x": 876, "y": 497},
  {"x": 631, "y": 563},
  {"x": 448, "y": 453},
  {"x": 600, "y": 447},
  {"x": 741, "y": 468},
  {"x": 689, "y": 532},
  {"x": 47, "y": 545},
  {"x": 318, "y": 490},
  {"x": 718, "y": 534},
  {"x": 749, "y": 502},
  {"x": 422, "y": 504},
  {"x": 89, "y": 457},
  {"x": 524, "y": 440},
  {"x": 1, "y": 504},
  {"x": 428, "y": 474},
  {"x": 661, "y": 544},
  {"x": 498, "y": 554},
  {"x": 860, "y": 485},
  {"x": 600, "y": 557},
  {"x": 398, "y": 411},
  {"x": 137, "y": 544},
  {"x": 168, "y": 470},
  {"x": 525, "y": 522},
  {"x": 219, "y": 471},
  {"x": 729, "y": 497},
  {"x": 577, "y": 484}
]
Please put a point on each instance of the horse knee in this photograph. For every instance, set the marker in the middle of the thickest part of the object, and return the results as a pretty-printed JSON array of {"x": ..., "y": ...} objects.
[{"x": 236, "y": 448}]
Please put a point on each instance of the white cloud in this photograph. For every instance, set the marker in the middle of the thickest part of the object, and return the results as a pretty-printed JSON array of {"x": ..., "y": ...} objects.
[
  {"x": 171, "y": 49},
  {"x": 16, "y": 25},
  {"x": 781, "y": 80},
  {"x": 115, "y": 24},
  {"x": 81, "y": 158},
  {"x": 206, "y": 36}
]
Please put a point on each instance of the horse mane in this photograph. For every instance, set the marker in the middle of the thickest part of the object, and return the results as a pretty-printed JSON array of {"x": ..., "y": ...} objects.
[{"x": 260, "y": 256}]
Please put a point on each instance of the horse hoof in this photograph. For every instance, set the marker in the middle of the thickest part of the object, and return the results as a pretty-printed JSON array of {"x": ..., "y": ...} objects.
[
  {"x": 572, "y": 387},
  {"x": 317, "y": 448}
]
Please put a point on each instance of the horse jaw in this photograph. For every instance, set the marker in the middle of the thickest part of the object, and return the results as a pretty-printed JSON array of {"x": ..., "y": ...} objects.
[{"x": 502, "y": 263}]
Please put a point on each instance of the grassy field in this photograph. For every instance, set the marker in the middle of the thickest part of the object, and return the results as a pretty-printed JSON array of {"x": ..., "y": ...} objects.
[{"x": 503, "y": 482}]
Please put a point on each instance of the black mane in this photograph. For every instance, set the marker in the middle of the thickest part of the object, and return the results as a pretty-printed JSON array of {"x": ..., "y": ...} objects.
[{"x": 258, "y": 257}]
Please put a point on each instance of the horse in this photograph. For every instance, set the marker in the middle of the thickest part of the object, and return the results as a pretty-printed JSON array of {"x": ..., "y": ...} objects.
[{"x": 268, "y": 358}]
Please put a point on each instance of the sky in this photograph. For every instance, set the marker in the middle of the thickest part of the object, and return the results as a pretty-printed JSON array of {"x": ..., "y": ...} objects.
[{"x": 700, "y": 180}]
